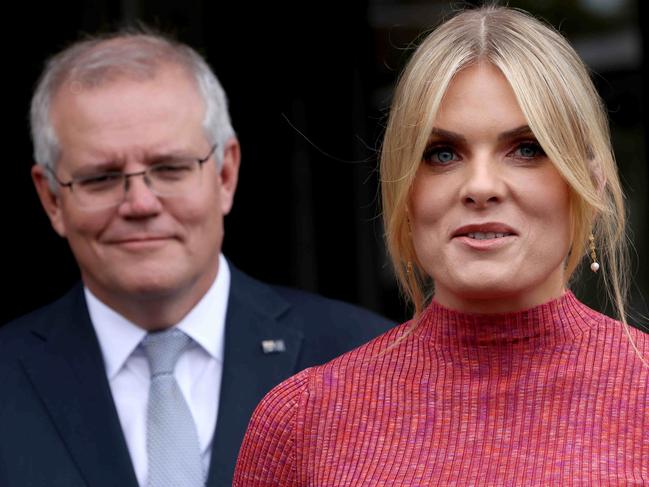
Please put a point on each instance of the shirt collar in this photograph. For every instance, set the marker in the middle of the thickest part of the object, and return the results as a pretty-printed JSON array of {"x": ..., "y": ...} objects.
[{"x": 205, "y": 324}]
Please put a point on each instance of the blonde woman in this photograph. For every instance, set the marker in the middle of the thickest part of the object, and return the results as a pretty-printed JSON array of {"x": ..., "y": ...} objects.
[{"x": 498, "y": 181}]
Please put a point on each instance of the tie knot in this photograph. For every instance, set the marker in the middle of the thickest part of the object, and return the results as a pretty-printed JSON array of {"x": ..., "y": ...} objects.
[{"x": 163, "y": 349}]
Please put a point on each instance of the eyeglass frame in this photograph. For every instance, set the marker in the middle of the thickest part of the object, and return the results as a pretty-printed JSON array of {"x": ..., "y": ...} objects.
[{"x": 126, "y": 176}]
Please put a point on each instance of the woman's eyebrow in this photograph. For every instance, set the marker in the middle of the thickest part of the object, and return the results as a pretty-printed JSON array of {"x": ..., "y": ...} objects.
[
  {"x": 459, "y": 138},
  {"x": 447, "y": 134},
  {"x": 517, "y": 132}
]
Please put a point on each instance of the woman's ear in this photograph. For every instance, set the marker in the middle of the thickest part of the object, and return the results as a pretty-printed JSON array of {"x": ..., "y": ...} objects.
[{"x": 597, "y": 174}]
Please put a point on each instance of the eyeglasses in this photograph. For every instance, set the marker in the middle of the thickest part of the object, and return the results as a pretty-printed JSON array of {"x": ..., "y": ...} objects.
[{"x": 106, "y": 189}]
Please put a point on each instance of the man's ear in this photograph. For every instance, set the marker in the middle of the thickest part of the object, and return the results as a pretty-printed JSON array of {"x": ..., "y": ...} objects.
[
  {"x": 49, "y": 199},
  {"x": 229, "y": 174}
]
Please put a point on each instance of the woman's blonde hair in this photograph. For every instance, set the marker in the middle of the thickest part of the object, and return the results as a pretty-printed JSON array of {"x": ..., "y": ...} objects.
[{"x": 563, "y": 109}]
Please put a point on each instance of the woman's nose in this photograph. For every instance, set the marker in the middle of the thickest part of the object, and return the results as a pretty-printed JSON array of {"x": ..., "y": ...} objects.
[{"x": 483, "y": 184}]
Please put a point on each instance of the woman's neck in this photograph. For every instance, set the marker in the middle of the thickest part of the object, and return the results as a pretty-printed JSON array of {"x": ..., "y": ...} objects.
[{"x": 550, "y": 323}]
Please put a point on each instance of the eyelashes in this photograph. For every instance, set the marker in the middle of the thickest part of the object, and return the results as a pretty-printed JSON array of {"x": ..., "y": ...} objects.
[
  {"x": 443, "y": 154},
  {"x": 440, "y": 155},
  {"x": 529, "y": 149}
]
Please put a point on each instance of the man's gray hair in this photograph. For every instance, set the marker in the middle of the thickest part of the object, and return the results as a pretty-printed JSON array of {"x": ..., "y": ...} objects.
[{"x": 134, "y": 54}]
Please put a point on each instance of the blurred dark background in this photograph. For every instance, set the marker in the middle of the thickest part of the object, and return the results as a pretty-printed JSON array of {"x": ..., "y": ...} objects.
[{"x": 309, "y": 87}]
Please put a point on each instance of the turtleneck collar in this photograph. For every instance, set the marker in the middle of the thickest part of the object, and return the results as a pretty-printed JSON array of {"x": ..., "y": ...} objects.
[{"x": 551, "y": 323}]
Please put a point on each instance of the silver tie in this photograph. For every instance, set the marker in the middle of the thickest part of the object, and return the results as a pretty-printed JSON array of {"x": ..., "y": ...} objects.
[{"x": 172, "y": 442}]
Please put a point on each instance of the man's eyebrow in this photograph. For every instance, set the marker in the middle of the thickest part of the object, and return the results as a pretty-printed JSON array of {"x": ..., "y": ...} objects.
[
  {"x": 169, "y": 156},
  {"x": 116, "y": 164},
  {"x": 101, "y": 166}
]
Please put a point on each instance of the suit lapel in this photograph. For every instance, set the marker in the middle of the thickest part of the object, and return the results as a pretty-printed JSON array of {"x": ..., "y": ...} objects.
[
  {"x": 255, "y": 313},
  {"x": 67, "y": 371}
]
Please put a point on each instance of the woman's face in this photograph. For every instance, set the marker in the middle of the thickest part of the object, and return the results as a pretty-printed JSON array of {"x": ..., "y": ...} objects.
[{"x": 489, "y": 213}]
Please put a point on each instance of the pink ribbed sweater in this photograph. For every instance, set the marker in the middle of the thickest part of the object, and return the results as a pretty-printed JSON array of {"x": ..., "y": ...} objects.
[{"x": 554, "y": 395}]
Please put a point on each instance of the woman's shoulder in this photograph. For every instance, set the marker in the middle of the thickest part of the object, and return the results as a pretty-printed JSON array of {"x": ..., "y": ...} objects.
[
  {"x": 630, "y": 339},
  {"x": 276, "y": 421},
  {"x": 395, "y": 341},
  {"x": 287, "y": 394},
  {"x": 608, "y": 328},
  {"x": 267, "y": 454},
  {"x": 625, "y": 345}
]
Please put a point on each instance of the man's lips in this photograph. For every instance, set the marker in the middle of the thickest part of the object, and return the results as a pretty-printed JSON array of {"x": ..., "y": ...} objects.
[{"x": 138, "y": 239}]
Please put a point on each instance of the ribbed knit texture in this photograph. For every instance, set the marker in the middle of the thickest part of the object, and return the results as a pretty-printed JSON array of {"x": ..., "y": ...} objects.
[{"x": 554, "y": 395}]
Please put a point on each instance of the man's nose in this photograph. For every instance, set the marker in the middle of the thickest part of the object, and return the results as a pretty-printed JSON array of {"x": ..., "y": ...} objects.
[
  {"x": 484, "y": 184},
  {"x": 139, "y": 198}
]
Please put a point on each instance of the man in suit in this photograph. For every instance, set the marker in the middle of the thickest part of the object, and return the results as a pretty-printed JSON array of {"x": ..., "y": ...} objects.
[{"x": 137, "y": 164}]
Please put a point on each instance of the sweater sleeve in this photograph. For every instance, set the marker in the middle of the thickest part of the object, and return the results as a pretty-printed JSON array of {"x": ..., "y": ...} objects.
[{"x": 267, "y": 456}]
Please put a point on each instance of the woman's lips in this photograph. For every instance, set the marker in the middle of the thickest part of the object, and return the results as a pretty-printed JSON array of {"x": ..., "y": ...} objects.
[
  {"x": 484, "y": 228},
  {"x": 487, "y": 235},
  {"x": 485, "y": 243},
  {"x": 483, "y": 236}
]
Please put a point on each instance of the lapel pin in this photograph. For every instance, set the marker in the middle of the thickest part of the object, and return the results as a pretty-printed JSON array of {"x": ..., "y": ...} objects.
[{"x": 273, "y": 346}]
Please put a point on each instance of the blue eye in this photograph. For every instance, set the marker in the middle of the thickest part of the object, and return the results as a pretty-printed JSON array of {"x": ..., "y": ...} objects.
[
  {"x": 528, "y": 150},
  {"x": 440, "y": 155}
]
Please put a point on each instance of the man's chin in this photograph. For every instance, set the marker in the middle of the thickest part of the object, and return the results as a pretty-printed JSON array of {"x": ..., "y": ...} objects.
[
  {"x": 151, "y": 289},
  {"x": 134, "y": 285}
]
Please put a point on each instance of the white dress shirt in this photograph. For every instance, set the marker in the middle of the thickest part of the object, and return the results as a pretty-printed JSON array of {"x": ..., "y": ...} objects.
[{"x": 198, "y": 370}]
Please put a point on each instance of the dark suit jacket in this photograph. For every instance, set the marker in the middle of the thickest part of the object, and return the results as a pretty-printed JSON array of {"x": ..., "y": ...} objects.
[{"x": 58, "y": 422}]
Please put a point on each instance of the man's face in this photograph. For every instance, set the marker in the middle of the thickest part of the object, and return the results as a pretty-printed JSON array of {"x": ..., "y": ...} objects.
[{"x": 147, "y": 248}]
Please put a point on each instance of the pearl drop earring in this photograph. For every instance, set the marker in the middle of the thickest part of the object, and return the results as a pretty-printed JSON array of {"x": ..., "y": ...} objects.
[{"x": 594, "y": 266}]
